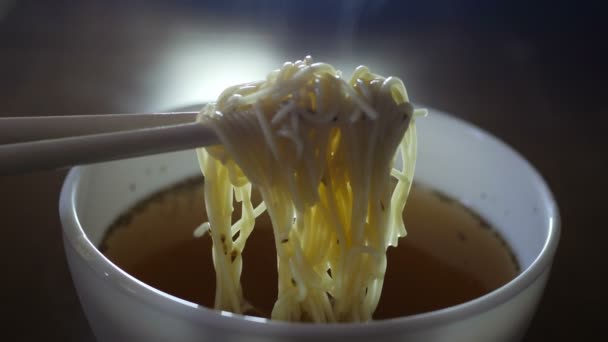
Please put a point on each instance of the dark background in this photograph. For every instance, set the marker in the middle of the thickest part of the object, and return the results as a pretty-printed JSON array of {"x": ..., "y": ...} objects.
[{"x": 532, "y": 74}]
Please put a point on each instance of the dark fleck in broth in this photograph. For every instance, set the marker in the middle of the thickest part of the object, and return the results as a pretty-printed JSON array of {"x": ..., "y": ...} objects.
[{"x": 450, "y": 255}]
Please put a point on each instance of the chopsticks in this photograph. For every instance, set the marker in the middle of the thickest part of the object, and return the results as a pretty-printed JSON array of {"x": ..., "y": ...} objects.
[{"x": 38, "y": 143}]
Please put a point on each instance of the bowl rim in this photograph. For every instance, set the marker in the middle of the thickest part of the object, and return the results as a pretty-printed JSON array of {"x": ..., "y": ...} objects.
[{"x": 77, "y": 240}]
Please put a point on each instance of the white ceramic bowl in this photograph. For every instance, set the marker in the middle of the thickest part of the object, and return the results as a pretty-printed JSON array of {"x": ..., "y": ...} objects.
[{"x": 455, "y": 157}]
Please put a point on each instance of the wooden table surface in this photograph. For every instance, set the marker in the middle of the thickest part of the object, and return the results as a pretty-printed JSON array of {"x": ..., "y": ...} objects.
[{"x": 534, "y": 76}]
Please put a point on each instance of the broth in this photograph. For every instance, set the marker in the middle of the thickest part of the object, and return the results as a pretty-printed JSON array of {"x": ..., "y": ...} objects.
[{"x": 450, "y": 255}]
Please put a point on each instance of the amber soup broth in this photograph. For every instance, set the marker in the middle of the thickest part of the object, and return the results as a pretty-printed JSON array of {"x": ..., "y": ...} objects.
[{"x": 450, "y": 255}]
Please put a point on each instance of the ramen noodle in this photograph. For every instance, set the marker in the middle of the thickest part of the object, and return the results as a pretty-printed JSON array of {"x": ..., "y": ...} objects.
[{"x": 324, "y": 153}]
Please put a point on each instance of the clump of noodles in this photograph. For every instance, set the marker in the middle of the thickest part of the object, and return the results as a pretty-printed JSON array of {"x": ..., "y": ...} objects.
[{"x": 321, "y": 151}]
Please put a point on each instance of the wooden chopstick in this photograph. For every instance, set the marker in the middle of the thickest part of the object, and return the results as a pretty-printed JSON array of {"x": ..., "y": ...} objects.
[
  {"x": 63, "y": 152},
  {"x": 21, "y": 129}
]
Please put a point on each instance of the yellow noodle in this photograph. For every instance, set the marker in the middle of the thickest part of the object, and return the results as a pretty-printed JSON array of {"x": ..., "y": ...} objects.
[{"x": 321, "y": 151}]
